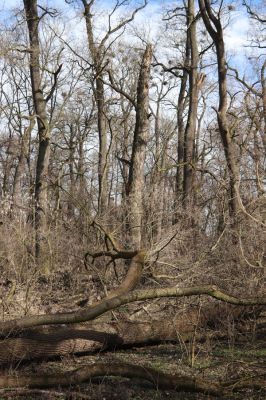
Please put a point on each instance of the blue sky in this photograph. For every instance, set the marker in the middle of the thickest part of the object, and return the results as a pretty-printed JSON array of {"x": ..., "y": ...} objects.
[{"x": 235, "y": 35}]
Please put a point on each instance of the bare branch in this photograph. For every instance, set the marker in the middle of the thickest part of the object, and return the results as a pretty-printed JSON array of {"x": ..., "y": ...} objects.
[
  {"x": 253, "y": 14},
  {"x": 122, "y": 24},
  {"x": 113, "y": 85},
  {"x": 108, "y": 304},
  {"x": 55, "y": 74}
]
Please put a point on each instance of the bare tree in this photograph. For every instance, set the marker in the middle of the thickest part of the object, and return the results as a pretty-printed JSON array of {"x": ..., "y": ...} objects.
[
  {"x": 99, "y": 63},
  {"x": 195, "y": 82},
  {"x": 136, "y": 171},
  {"x": 44, "y": 134},
  {"x": 214, "y": 27}
]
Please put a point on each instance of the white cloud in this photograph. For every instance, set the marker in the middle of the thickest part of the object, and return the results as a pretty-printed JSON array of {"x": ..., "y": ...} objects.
[{"x": 236, "y": 33}]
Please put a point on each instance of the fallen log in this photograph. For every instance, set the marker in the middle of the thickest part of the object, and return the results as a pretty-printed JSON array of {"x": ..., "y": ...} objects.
[
  {"x": 159, "y": 380},
  {"x": 84, "y": 374},
  {"x": 91, "y": 312},
  {"x": 43, "y": 345},
  {"x": 50, "y": 342}
]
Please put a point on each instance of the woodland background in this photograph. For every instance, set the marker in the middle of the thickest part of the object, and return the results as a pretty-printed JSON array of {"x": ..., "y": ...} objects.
[{"x": 132, "y": 157}]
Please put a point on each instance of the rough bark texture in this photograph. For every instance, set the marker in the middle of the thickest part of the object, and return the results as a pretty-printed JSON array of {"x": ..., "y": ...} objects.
[
  {"x": 136, "y": 172},
  {"x": 50, "y": 342},
  {"x": 263, "y": 84},
  {"x": 156, "y": 198},
  {"x": 43, "y": 344},
  {"x": 44, "y": 134},
  {"x": 215, "y": 29}
]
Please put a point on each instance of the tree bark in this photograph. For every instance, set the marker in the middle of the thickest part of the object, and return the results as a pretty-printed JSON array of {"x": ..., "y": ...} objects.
[
  {"x": 50, "y": 342},
  {"x": 214, "y": 27},
  {"x": 44, "y": 134},
  {"x": 111, "y": 303},
  {"x": 160, "y": 380},
  {"x": 181, "y": 128},
  {"x": 136, "y": 172},
  {"x": 97, "y": 60},
  {"x": 195, "y": 81},
  {"x": 83, "y": 374}
]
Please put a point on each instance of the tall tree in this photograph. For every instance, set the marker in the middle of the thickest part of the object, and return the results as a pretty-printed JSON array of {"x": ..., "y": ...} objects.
[
  {"x": 214, "y": 27},
  {"x": 44, "y": 131},
  {"x": 195, "y": 82},
  {"x": 99, "y": 63},
  {"x": 136, "y": 171},
  {"x": 44, "y": 134}
]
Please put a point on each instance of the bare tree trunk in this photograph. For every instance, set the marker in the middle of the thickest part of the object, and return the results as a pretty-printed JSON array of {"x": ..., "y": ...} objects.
[
  {"x": 102, "y": 165},
  {"x": 156, "y": 182},
  {"x": 71, "y": 162},
  {"x": 263, "y": 84},
  {"x": 214, "y": 27},
  {"x": 126, "y": 110},
  {"x": 7, "y": 168},
  {"x": 136, "y": 172},
  {"x": 44, "y": 134},
  {"x": 48, "y": 342},
  {"x": 181, "y": 127},
  {"x": 97, "y": 59},
  {"x": 195, "y": 81}
]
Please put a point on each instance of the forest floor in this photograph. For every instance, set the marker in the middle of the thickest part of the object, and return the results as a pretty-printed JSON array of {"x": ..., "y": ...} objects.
[{"x": 216, "y": 361}]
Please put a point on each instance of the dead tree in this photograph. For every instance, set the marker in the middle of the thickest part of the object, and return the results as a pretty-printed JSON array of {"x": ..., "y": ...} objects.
[{"x": 135, "y": 184}]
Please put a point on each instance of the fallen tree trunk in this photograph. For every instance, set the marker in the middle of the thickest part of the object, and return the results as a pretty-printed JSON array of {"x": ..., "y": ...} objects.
[
  {"x": 91, "y": 312},
  {"x": 51, "y": 342},
  {"x": 158, "y": 379},
  {"x": 59, "y": 342}
]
